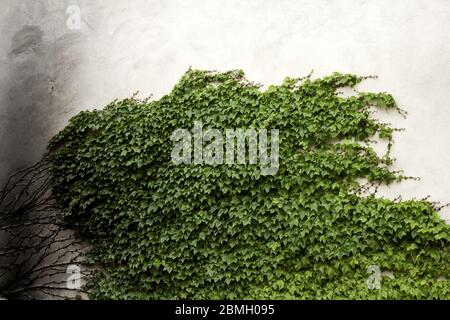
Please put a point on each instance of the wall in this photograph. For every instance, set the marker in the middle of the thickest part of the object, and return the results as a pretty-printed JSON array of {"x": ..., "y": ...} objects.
[{"x": 49, "y": 72}]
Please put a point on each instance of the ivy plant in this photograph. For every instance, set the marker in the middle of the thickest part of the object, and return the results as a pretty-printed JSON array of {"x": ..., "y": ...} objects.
[{"x": 164, "y": 231}]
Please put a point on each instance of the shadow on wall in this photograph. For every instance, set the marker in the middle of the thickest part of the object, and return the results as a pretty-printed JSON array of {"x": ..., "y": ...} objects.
[
  {"x": 34, "y": 96},
  {"x": 28, "y": 99},
  {"x": 41, "y": 59}
]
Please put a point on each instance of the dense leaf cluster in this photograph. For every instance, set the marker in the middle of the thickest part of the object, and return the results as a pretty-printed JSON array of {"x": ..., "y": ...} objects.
[{"x": 161, "y": 230}]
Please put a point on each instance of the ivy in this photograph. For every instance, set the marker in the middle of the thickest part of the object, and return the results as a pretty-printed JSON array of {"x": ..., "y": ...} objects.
[{"x": 165, "y": 231}]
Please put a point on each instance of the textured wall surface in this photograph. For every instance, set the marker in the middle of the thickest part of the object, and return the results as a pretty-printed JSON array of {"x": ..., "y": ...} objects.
[{"x": 49, "y": 72}]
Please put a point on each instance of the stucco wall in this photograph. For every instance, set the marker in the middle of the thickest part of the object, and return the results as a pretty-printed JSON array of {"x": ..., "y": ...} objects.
[{"x": 49, "y": 72}]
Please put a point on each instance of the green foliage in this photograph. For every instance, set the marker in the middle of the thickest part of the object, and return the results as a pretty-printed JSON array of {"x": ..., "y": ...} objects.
[{"x": 161, "y": 230}]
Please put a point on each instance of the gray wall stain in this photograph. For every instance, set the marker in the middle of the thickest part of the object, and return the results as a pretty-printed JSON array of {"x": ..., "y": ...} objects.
[
  {"x": 29, "y": 38},
  {"x": 27, "y": 99},
  {"x": 36, "y": 86}
]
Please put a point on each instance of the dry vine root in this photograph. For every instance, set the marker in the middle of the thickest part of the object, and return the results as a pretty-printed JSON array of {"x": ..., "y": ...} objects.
[{"x": 36, "y": 249}]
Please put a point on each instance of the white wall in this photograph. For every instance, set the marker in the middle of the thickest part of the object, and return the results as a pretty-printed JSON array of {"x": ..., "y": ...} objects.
[{"x": 48, "y": 72}]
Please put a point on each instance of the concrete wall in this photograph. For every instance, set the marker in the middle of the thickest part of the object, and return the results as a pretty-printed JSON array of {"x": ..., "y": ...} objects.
[{"x": 49, "y": 72}]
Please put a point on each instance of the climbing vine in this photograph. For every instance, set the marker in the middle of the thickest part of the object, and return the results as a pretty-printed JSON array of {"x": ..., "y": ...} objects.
[{"x": 310, "y": 231}]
